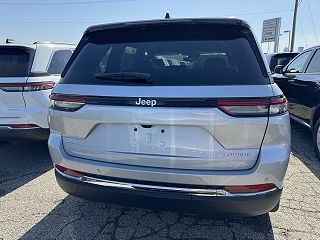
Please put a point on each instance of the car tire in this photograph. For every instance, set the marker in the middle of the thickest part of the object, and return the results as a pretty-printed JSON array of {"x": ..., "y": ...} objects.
[{"x": 316, "y": 138}]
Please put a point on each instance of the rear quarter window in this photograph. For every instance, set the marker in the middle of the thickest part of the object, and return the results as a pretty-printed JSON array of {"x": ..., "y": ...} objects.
[
  {"x": 58, "y": 61},
  {"x": 188, "y": 55}
]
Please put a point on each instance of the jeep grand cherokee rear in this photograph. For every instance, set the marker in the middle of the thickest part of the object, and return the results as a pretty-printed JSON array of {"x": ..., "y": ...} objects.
[{"x": 176, "y": 114}]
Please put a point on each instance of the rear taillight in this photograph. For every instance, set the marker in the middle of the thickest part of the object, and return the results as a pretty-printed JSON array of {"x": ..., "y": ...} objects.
[
  {"x": 26, "y": 87},
  {"x": 250, "y": 188},
  {"x": 278, "y": 105},
  {"x": 66, "y": 103},
  {"x": 11, "y": 87},
  {"x": 68, "y": 171},
  {"x": 245, "y": 107},
  {"x": 253, "y": 107}
]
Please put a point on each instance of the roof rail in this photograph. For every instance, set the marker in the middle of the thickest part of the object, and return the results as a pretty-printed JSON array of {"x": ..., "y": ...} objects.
[{"x": 48, "y": 42}]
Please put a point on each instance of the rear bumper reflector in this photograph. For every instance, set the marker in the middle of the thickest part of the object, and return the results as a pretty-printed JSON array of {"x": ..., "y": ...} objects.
[
  {"x": 23, "y": 126},
  {"x": 68, "y": 171}
]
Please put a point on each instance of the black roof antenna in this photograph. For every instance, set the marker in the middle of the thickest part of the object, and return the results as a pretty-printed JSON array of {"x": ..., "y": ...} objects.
[
  {"x": 167, "y": 16},
  {"x": 9, "y": 40}
]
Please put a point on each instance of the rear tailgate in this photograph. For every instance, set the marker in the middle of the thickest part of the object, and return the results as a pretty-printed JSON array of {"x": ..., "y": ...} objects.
[
  {"x": 151, "y": 95},
  {"x": 201, "y": 138},
  {"x": 15, "y": 63},
  {"x": 11, "y": 103}
]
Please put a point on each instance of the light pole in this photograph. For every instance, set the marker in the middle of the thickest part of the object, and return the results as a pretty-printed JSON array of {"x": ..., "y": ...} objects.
[{"x": 288, "y": 31}]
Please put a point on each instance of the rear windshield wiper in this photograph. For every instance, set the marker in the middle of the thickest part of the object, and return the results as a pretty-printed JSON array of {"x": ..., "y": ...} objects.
[{"x": 127, "y": 77}]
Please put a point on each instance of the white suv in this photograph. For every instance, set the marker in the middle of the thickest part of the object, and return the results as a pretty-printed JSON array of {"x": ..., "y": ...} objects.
[{"x": 27, "y": 75}]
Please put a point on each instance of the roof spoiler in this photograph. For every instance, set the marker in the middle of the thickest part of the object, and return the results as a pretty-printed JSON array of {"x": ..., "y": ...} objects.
[{"x": 228, "y": 21}]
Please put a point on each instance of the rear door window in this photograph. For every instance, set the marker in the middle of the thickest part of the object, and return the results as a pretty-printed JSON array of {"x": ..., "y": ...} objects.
[
  {"x": 59, "y": 61},
  {"x": 314, "y": 66},
  {"x": 298, "y": 64},
  {"x": 196, "y": 58},
  {"x": 14, "y": 62}
]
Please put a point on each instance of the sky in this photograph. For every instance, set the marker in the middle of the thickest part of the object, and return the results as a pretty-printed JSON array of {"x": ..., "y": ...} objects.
[{"x": 27, "y": 21}]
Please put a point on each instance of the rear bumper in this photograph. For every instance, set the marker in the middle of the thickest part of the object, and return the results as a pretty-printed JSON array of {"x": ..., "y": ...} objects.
[
  {"x": 270, "y": 168},
  {"x": 246, "y": 205},
  {"x": 37, "y": 134}
]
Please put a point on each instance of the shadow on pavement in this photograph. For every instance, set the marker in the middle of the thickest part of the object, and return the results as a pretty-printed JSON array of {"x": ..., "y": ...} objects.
[
  {"x": 22, "y": 162},
  {"x": 74, "y": 218},
  {"x": 301, "y": 147}
]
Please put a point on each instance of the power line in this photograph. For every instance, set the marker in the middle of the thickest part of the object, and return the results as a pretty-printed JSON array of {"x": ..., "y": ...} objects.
[
  {"x": 314, "y": 28},
  {"x": 61, "y": 3},
  {"x": 94, "y": 22},
  {"x": 52, "y": 22},
  {"x": 253, "y": 13},
  {"x": 48, "y": 22}
]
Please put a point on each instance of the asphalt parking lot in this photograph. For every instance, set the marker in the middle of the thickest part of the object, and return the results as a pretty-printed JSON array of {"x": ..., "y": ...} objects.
[{"x": 32, "y": 206}]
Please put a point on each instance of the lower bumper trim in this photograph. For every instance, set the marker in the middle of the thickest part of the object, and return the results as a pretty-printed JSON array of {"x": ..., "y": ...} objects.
[
  {"x": 245, "y": 205},
  {"x": 38, "y": 134}
]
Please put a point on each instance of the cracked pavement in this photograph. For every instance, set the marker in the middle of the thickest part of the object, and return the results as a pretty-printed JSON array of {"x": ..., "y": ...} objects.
[{"x": 32, "y": 206}]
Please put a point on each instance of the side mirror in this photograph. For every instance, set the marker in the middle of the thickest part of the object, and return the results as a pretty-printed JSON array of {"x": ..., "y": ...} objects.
[{"x": 279, "y": 69}]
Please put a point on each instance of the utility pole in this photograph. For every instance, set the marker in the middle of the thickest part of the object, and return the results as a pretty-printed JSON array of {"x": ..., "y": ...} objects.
[
  {"x": 277, "y": 36},
  {"x": 294, "y": 25}
]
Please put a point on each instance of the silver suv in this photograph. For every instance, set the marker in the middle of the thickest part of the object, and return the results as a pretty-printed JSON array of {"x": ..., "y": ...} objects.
[{"x": 174, "y": 114}]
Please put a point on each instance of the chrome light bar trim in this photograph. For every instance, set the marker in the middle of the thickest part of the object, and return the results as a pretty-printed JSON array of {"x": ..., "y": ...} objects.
[{"x": 137, "y": 186}]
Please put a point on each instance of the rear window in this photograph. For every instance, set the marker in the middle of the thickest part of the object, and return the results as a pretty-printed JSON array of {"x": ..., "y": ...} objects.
[
  {"x": 14, "y": 62},
  {"x": 179, "y": 56}
]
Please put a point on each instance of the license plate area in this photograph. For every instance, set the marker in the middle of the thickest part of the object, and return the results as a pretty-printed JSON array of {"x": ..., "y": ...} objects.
[
  {"x": 164, "y": 140},
  {"x": 162, "y": 146}
]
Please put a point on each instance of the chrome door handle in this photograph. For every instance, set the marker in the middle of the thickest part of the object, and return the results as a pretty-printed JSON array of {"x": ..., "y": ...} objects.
[{"x": 291, "y": 80}]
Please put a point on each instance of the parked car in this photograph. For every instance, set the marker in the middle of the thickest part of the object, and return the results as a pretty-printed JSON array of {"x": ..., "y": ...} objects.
[
  {"x": 275, "y": 59},
  {"x": 27, "y": 75},
  {"x": 300, "y": 81},
  {"x": 203, "y": 136}
]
